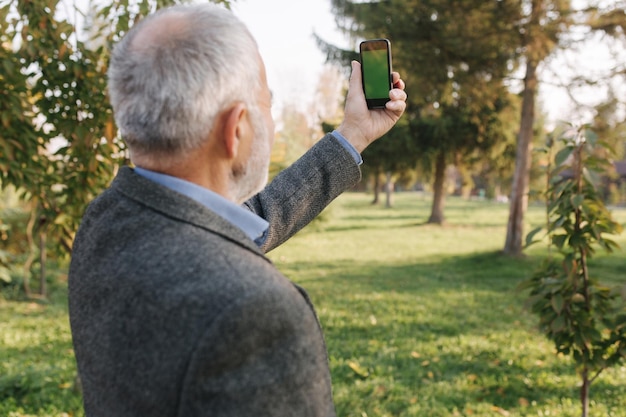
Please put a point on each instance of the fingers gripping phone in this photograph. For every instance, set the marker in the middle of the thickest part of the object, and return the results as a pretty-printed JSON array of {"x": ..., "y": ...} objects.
[{"x": 376, "y": 71}]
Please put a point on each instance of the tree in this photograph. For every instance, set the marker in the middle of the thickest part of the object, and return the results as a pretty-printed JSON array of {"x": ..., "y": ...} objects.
[
  {"x": 453, "y": 134},
  {"x": 583, "y": 318},
  {"x": 59, "y": 144},
  {"x": 539, "y": 31},
  {"x": 299, "y": 129},
  {"x": 293, "y": 138},
  {"x": 454, "y": 58},
  {"x": 544, "y": 26},
  {"x": 610, "y": 127},
  {"x": 492, "y": 169},
  {"x": 327, "y": 104},
  {"x": 392, "y": 154}
]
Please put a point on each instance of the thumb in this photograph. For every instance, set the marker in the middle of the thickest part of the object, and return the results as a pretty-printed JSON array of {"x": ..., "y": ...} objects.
[{"x": 355, "y": 83}]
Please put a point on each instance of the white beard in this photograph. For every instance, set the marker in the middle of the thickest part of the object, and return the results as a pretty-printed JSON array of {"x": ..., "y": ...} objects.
[{"x": 252, "y": 177}]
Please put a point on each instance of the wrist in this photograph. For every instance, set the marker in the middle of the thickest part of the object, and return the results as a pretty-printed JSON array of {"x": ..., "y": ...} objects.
[
  {"x": 348, "y": 146},
  {"x": 354, "y": 137}
]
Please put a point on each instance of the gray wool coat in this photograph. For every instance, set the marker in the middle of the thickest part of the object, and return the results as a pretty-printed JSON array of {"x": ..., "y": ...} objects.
[{"x": 176, "y": 312}]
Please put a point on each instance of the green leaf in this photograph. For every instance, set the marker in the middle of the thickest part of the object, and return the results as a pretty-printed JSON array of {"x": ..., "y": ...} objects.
[
  {"x": 620, "y": 325},
  {"x": 531, "y": 235},
  {"x": 591, "y": 137},
  {"x": 577, "y": 200},
  {"x": 8, "y": 67},
  {"x": 576, "y": 240},
  {"x": 559, "y": 240},
  {"x": 61, "y": 219},
  {"x": 563, "y": 155},
  {"x": 561, "y": 221},
  {"x": 558, "y": 324},
  {"x": 4, "y": 275},
  {"x": 590, "y": 177},
  {"x": 609, "y": 245},
  {"x": 592, "y": 335},
  {"x": 526, "y": 284},
  {"x": 577, "y": 356},
  {"x": 557, "y": 303}
]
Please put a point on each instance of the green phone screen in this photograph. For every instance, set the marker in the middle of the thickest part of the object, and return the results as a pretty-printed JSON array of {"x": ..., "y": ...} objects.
[{"x": 375, "y": 73}]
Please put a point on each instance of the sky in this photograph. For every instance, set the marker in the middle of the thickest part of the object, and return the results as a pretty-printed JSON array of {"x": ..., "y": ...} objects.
[{"x": 284, "y": 31}]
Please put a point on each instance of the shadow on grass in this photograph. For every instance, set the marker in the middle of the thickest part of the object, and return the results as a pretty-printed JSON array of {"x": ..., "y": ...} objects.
[
  {"x": 373, "y": 222},
  {"x": 452, "y": 332},
  {"x": 480, "y": 271}
]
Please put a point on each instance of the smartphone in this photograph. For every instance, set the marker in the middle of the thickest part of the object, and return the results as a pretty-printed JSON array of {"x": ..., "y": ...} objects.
[{"x": 376, "y": 71}]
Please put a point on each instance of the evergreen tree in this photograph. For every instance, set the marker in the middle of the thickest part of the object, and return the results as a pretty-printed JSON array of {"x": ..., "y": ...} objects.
[{"x": 454, "y": 58}]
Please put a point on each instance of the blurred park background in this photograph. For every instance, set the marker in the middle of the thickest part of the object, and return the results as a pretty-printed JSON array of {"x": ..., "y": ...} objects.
[{"x": 430, "y": 278}]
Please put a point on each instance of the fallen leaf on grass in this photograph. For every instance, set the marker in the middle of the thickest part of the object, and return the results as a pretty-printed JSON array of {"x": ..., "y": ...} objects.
[
  {"x": 501, "y": 411},
  {"x": 358, "y": 369}
]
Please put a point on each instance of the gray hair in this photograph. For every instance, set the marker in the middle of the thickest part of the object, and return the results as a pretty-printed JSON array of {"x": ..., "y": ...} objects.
[{"x": 166, "y": 94}]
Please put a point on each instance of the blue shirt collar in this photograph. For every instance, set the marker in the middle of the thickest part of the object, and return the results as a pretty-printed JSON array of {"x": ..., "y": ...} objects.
[{"x": 252, "y": 225}]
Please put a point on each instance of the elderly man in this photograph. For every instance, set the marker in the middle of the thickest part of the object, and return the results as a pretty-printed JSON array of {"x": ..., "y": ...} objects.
[{"x": 174, "y": 308}]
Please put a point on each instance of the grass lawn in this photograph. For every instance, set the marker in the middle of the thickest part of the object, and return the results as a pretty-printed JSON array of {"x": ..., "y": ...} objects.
[
  {"x": 420, "y": 320},
  {"x": 37, "y": 368}
]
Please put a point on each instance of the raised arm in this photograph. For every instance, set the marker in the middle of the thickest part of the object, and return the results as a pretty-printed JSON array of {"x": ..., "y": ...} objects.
[{"x": 299, "y": 193}]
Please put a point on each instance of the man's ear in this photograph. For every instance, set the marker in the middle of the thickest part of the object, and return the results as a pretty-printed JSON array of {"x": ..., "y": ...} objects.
[{"x": 234, "y": 128}]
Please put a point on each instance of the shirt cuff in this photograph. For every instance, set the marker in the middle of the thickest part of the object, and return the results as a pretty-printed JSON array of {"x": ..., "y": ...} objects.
[{"x": 344, "y": 142}]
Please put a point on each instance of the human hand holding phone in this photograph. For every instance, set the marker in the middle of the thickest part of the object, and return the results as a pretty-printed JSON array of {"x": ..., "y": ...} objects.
[
  {"x": 376, "y": 71},
  {"x": 361, "y": 125}
]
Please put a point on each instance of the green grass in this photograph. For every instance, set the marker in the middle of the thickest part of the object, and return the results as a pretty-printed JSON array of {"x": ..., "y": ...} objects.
[
  {"x": 37, "y": 368},
  {"x": 420, "y": 320}
]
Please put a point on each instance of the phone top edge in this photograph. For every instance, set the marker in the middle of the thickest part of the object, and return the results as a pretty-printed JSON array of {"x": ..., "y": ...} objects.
[{"x": 376, "y": 40}]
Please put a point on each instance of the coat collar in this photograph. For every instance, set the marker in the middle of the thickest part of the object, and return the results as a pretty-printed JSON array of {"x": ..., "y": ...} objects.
[{"x": 175, "y": 205}]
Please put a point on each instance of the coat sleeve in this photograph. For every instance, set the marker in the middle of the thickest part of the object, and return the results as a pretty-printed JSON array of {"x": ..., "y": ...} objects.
[
  {"x": 263, "y": 356},
  {"x": 299, "y": 193}
]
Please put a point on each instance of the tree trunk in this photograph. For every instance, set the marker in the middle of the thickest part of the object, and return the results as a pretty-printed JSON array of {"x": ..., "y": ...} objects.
[
  {"x": 521, "y": 177},
  {"x": 28, "y": 263},
  {"x": 436, "y": 214},
  {"x": 584, "y": 392},
  {"x": 43, "y": 291},
  {"x": 578, "y": 171},
  {"x": 388, "y": 189},
  {"x": 376, "y": 188}
]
